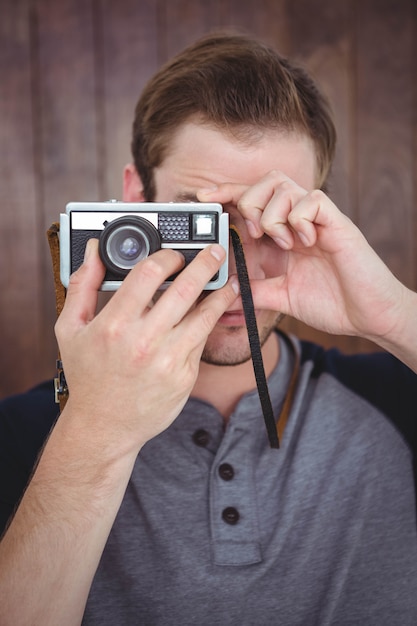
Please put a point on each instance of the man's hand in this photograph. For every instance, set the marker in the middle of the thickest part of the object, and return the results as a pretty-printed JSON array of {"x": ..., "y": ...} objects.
[
  {"x": 332, "y": 279},
  {"x": 131, "y": 368}
]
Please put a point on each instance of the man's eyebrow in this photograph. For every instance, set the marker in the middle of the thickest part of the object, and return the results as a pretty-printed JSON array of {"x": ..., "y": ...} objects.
[{"x": 185, "y": 196}]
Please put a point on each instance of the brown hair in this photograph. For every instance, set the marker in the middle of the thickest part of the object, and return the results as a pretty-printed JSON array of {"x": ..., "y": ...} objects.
[{"x": 237, "y": 84}]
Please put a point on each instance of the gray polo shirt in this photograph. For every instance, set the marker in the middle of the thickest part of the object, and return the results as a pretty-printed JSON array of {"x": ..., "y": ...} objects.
[{"x": 216, "y": 528}]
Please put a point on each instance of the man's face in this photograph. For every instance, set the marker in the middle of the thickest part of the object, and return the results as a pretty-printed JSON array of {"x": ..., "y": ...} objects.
[{"x": 201, "y": 157}]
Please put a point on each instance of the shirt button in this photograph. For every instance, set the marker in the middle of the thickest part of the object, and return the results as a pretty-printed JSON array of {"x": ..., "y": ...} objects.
[
  {"x": 226, "y": 471},
  {"x": 230, "y": 515},
  {"x": 201, "y": 437}
]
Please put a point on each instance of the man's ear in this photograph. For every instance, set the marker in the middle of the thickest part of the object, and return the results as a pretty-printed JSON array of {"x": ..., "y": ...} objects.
[{"x": 132, "y": 185}]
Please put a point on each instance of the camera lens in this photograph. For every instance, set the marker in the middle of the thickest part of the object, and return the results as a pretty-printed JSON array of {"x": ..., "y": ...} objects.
[
  {"x": 129, "y": 248},
  {"x": 126, "y": 241},
  {"x": 126, "y": 247}
]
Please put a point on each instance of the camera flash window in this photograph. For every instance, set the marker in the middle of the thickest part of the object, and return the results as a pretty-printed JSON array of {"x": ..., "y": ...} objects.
[{"x": 204, "y": 227}]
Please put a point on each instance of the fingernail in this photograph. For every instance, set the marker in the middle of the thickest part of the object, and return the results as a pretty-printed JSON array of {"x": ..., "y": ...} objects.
[
  {"x": 217, "y": 251},
  {"x": 252, "y": 229},
  {"x": 304, "y": 239},
  {"x": 208, "y": 190},
  {"x": 282, "y": 243},
  {"x": 88, "y": 250},
  {"x": 234, "y": 282}
]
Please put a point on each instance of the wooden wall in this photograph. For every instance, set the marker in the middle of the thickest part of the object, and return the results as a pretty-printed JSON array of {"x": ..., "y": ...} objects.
[{"x": 70, "y": 74}]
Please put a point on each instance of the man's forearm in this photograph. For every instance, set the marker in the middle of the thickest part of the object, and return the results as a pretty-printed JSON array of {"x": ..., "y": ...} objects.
[
  {"x": 52, "y": 548},
  {"x": 401, "y": 340}
]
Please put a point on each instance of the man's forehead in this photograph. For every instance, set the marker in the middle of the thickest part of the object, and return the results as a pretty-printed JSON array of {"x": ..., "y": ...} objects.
[{"x": 201, "y": 156}]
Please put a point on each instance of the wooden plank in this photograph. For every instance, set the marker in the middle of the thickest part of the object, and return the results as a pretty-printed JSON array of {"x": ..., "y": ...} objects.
[
  {"x": 262, "y": 18},
  {"x": 20, "y": 315},
  {"x": 386, "y": 72},
  {"x": 69, "y": 158},
  {"x": 182, "y": 22},
  {"x": 127, "y": 49}
]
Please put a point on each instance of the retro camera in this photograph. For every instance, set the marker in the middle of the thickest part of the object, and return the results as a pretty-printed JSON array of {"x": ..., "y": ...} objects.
[{"x": 129, "y": 232}]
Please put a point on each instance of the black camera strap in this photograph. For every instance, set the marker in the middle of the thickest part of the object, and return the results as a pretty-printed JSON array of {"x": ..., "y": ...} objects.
[{"x": 254, "y": 342}]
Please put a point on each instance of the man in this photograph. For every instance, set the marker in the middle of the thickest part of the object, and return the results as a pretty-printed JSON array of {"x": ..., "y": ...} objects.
[{"x": 156, "y": 498}]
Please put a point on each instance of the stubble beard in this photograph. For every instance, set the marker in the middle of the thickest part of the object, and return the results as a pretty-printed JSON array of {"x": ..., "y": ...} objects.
[{"x": 237, "y": 350}]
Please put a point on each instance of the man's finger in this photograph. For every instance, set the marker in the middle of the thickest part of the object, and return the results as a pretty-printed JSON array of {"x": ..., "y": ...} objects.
[
  {"x": 175, "y": 303},
  {"x": 81, "y": 298},
  {"x": 202, "y": 320},
  {"x": 142, "y": 282}
]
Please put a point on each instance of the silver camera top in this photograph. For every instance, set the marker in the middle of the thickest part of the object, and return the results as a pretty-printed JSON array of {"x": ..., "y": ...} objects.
[{"x": 129, "y": 231}]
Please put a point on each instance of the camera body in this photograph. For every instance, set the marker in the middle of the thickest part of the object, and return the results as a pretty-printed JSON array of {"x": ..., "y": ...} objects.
[{"x": 130, "y": 231}]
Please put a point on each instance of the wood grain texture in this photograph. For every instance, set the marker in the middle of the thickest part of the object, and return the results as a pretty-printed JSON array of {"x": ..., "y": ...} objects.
[
  {"x": 68, "y": 156},
  {"x": 385, "y": 70},
  {"x": 71, "y": 72},
  {"x": 20, "y": 249},
  {"x": 127, "y": 53}
]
